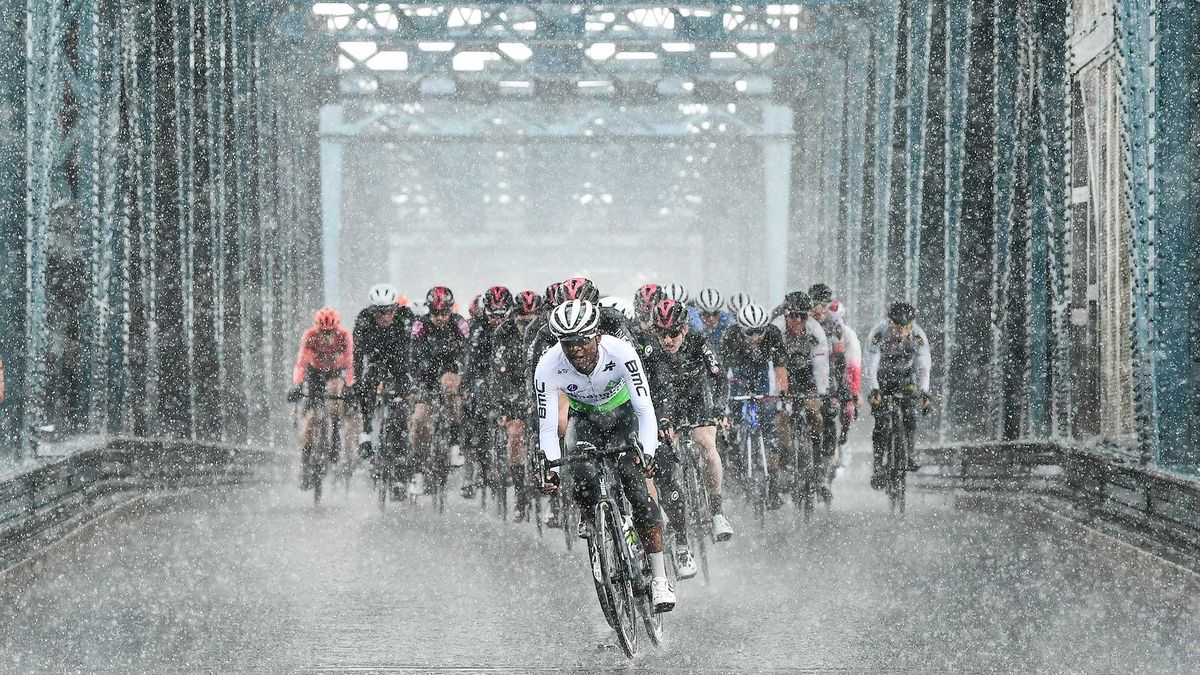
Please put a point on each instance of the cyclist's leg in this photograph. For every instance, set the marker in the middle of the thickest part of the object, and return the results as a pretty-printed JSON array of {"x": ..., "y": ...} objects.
[
  {"x": 584, "y": 476},
  {"x": 705, "y": 440},
  {"x": 878, "y": 444},
  {"x": 910, "y": 427},
  {"x": 670, "y": 493},
  {"x": 334, "y": 387}
]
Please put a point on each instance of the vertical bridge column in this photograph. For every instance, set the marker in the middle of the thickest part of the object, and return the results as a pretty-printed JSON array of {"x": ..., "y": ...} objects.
[
  {"x": 777, "y": 178},
  {"x": 13, "y": 214},
  {"x": 331, "y": 201}
]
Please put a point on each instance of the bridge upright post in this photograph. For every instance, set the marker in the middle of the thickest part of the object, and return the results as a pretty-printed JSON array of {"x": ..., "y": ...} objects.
[
  {"x": 331, "y": 202},
  {"x": 777, "y": 161},
  {"x": 14, "y": 287},
  {"x": 1177, "y": 231}
]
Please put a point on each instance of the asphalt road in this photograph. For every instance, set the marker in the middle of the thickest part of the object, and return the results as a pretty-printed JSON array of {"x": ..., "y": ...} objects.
[{"x": 256, "y": 579}]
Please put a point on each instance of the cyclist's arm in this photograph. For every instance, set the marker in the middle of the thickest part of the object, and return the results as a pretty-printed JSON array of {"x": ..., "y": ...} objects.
[
  {"x": 359, "y": 330},
  {"x": 871, "y": 365},
  {"x": 345, "y": 360},
  {"x": 633, "y": 373},
  {"x": 716, "y": 375},
  {"x": 303, "y": 360},
  {"x": 546, "y": 393},
  {"x": 924, "y": 360},
  {"x": 853, "y": 360},
  {"x": 820, "y": 357}
]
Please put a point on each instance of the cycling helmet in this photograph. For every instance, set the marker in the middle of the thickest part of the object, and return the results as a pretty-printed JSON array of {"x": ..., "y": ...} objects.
[
  {"x": 382, "y": 295},
  {"x": 647, "y": 297},
  {"x": 797, "y": 301},
  {"x": 476, "y": 305},
  {"x": 902, "y": 313},
  {"x": 620, "y": 304},
  {"x": 709, "y": 300},
  {"x": 497, "y": 301},
  {"x": 528, "y": 302},
  {"x": 669, "y": 315},
  {"x": 575, "y": 320},
  {"x": 551, "y": 297},
  {"x": 579, "y": 288},
  {"x": 752, "y": 317},
  {"x": 327, "y": 318},
  {"x": 419, "y": 308},
  {"x": 739, "y": 300},
  {"x": 820, "y": 294},
  {"x": 835, "y": 308},
  {"x": 676, "y": 292},
  {"x": 439, "y": 299}
]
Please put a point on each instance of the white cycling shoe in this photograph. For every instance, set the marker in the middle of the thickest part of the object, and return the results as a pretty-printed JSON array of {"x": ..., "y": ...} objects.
[
  {"x": 456, "y": 456},
  {"x": 662, "y": 595},
  {"x": 685, "y": 563},
  {"x": 722, "y": 530}
]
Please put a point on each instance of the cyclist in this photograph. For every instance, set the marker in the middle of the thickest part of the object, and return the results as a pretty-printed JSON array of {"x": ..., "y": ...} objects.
[
  {"x": 711, "y": 319},
  {"x": 621, "y": 305},
  {"x": 845, "y": 364},
  {"x": 527, "y": 308},
  {"x": 806, "y": 357},
  {"x": 439, "y": 341},
  {"x": 382, "y": 333},
  {"x": 605, "y": 385},
  {"x": 325, "y": 361},
  {"x": 754, "y": 355},
  {"x": 491, "y": 310},
  {"x": 737, "y": 301},
  {"x": 647, "y": 296},
  {"x": 898, "y": 361},
  {"x": 508, "y": 393},
  {"x": 697, "y": 385}
]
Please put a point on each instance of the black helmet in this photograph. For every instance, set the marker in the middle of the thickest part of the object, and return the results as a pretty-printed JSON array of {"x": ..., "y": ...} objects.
[
  {"x": 902, "y": 313},
  {"x": 820, "y": 294},
  {"x": 797, "y": 301}
]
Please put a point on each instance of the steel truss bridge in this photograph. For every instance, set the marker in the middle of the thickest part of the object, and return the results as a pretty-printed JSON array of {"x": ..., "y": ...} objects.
[{"x": 173, "y": 202}]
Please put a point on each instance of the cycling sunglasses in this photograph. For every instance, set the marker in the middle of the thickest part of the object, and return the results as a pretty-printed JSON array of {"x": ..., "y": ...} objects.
[
  {"x": 672, "y": 333},
  {"x": 754, "y": 332},
  {"x": 796, "y": 315},
  {"x": 386, "y": 309}
]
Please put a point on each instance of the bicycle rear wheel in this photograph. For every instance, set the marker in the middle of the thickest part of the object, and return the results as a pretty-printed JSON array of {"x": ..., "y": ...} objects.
[{"x": 699, "y": 522}]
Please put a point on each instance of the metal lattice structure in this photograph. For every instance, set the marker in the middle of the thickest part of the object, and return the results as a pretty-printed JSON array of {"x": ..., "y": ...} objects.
[{"x": 172, "y": 213}]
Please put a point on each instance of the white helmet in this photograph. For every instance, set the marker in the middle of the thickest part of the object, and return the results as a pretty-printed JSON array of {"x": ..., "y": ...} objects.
[
  {"x": 418, "y": 307},
  {"x": 382, "y": 294},
  {"x": 574, "y": 319},
  {"x": 739, "y": 300},
  {"x": 620, "y": 304},
  {"x": 752, "y": 316},
  {"x": 709, "y": 300},
  {"x": 676, "y": 292}
]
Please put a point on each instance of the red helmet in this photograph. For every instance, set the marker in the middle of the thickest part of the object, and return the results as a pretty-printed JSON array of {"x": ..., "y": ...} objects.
[
  {"x": 327, "y": 318},
  {"x": 476, "y": 305},
  {"x": 669, "y": 315},
  {"x": 529, "y": 302},
  {"x": 578, "y": 288},
  {"x": 497, "y": 301},
  {"x": 439, "y": 299},
  {"x": 647, "y": 297},
  {"x": 551, "y": 297}
]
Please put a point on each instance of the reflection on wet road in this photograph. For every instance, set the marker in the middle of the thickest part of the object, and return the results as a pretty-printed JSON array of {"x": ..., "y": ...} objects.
[{"x": 256, "y": 579}]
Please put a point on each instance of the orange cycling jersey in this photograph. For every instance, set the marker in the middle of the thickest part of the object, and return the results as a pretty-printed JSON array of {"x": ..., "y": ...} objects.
[{"x": 325, "y": 352}]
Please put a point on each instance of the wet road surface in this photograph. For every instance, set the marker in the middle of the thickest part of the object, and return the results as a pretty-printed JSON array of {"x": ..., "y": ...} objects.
[{"x": 256, "y": 579}]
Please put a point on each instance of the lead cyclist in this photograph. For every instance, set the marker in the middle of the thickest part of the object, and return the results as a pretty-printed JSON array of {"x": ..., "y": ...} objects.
[{"x": 608, "y": 393}]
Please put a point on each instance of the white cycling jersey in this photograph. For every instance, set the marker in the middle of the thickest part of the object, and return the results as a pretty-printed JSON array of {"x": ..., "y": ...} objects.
[
  {"x": 619, "y": 379},
  {"x": 894, "y": 361}
]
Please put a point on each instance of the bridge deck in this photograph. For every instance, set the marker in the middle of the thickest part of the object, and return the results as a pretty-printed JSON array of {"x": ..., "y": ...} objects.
[{"x": 256, "y": 579}]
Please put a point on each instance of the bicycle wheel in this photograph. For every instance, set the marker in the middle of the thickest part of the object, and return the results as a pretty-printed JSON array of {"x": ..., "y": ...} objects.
[
  {"x": 616, "y": 579},
  {"x": 568, "y": 517},
  {"x": 596, "y": 561},
  {"x": 381, "y": 489},
  {"x": 698, "y": 520},
  {"x": 762, "y": 471}
]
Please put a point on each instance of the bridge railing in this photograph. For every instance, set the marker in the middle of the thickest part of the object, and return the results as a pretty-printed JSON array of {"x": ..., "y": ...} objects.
[
  {"x": 1103, "y": 487},
  {"x": 39, "y": 505}
]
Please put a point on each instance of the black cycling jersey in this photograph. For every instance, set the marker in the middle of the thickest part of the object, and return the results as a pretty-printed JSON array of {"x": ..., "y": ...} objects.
[
  {"x": 694, "y": 378},
  {"x": 385, "y": 348},
  {"x": 738, "y": 354},
  {"x": 438, "y": 349}
]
